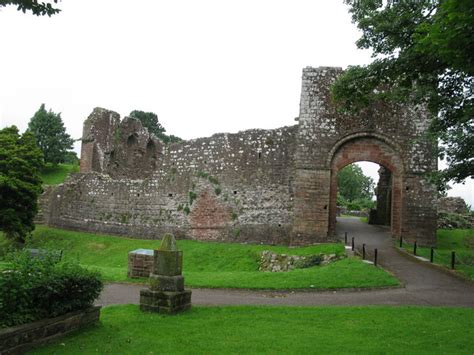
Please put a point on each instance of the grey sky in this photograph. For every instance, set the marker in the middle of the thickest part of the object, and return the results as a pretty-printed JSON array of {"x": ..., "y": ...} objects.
[{"x": 203, "y": 66}]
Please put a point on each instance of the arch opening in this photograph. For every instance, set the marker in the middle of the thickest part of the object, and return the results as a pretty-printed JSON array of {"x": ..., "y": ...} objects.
[
  {"x": 373, "y": 150},
  {"x": 364, "y": 189}
]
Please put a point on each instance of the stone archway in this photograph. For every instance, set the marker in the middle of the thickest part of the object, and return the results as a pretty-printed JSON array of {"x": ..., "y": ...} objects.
[{"x": 376, "y": 149}]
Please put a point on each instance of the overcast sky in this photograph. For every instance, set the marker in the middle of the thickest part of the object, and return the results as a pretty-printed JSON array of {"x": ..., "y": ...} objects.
[{"x": 203, "y": 66}]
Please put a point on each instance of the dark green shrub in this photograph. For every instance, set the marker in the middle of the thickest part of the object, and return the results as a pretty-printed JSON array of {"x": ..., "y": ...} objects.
[{"x": 36, "y": 288}]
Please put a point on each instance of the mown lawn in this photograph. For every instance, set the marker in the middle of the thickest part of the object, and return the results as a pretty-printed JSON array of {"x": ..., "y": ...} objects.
[
  {"x": 214, "y": 264},
  {"x": 459, "y": 240},
  {"x": 276, "y": 330},
  {"x": 56, "y": 174}
]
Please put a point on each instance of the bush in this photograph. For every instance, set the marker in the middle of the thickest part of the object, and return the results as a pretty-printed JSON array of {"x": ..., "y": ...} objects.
[
  {"x": 36, "y": 288},
  {"x": 360, "y": 204}
]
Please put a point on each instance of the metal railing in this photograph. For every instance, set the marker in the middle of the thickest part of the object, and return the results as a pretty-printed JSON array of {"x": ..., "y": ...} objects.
[
  {"x": 450, "y": 258},
  {"x": 364, "y": 252}
]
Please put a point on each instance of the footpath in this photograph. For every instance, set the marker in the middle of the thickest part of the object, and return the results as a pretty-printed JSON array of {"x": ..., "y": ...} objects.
[{"x": 422, "y": 283}]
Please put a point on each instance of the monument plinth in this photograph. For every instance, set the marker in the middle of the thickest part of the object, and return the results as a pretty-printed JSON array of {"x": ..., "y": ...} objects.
[{"x": 166, "y": 293}]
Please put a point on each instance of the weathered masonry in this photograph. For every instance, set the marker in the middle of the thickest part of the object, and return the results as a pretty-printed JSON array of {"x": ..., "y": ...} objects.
[{"x": 273, "y": 186}]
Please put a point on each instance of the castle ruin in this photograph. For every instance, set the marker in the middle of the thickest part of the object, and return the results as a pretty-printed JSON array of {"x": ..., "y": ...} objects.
[{"x": 274, "y": 186}]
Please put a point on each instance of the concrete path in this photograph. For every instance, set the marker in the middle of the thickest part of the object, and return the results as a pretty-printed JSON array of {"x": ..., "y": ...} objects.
[{"x": 423, "y": 284}]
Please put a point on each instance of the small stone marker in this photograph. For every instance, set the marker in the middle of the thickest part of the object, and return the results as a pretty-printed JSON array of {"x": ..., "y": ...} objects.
[{"x": 166, "y": 293}]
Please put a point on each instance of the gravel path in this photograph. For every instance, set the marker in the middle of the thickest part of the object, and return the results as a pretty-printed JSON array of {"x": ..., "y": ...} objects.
[{"x": 423, "y": 284}]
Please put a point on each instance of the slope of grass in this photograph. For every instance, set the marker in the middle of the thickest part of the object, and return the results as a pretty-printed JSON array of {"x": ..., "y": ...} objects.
[
  {"x": 275, "y": 330},
  {"x": 57, "y": 174},
  {"x": 214, "y": 264},
  {"x": 459, "y": 240}
]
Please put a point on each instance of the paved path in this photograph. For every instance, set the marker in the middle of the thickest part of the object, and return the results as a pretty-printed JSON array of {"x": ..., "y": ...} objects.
[{"x": 424, "y": 285}]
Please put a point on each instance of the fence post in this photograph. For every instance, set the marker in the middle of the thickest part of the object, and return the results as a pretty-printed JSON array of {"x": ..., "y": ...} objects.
[
  {"x": 353, "y": 244},
  {"x": 414, "y": 248},
  {"x": 453, "y": 259},
  {"x": 363, "y": 251},
  {"x": 401, "y": 241},
  {"x": 432, "y": 255},
  {"x": 345, "y": 238},
  {"x": 375, "y": 257}
]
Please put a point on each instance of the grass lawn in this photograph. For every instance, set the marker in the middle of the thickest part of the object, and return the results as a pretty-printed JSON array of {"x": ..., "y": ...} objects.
[
  {"x": 211, "y": 265},
  {"x": 459, "y": 240},
  {"x": 302, "y": 330},
  {"x": 56, "y": 174}
]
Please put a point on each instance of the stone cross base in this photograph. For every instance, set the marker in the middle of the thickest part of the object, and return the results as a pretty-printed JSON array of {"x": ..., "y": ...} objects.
[{"x": 165, "y": 301}]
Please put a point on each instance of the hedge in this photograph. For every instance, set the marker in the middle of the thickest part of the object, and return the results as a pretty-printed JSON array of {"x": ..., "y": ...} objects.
[{"x": 37, "y": 288}]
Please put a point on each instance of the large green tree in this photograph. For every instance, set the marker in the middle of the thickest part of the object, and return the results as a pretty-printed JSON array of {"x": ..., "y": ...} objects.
[
  {"x": 150, "y": 121},
  {"x": 51, "y": 136},
  {"x": 20, "y": 183},
  {"x": 354, "y": 185},
  {"x": 36, "y": 7},
  {"x": 423, "y": 54}
]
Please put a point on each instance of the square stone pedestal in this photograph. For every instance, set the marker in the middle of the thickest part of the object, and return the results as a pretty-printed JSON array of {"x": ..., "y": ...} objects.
[{"x": 168, "y": 302}]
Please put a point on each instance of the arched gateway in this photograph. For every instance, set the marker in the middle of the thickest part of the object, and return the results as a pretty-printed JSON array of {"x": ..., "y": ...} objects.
[
  {"x": 263, "y": 186},
  {"x": 392, "y": 136}
]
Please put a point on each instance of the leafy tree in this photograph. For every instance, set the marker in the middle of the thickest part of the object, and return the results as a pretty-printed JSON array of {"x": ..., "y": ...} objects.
[
  {"x": 150, "y": 121},
  {"x": 423, "y": 55},
  {"x": 71, "y": 158},
  {"x": 51, "y": 136},
  {"x": 20, "y": 183},
  {"x": 354, "y": 185},
  {"x": 36, "y": 7}
]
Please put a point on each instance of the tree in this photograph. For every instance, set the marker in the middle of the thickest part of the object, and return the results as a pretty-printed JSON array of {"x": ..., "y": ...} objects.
[
  {"x": 150, "y": 121},
  {"x": 37, "y": 8},
  {"x": 51, "y": 136},
  {"x": 20, "y": 183},
  {"x": 354, "y": 185},
  {"x": 423, "y": 55}
]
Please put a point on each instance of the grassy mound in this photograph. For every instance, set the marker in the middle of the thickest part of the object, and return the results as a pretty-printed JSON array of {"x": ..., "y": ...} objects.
[
  {"x": 209, "y": 264},
  {"x": 57, "y": 174},
  {"x": 276, "y": 330}
]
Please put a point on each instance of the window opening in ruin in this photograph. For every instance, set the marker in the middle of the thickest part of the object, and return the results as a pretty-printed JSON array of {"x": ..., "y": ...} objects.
[
  {"x": 150, "y": 147},
  {"x": 259, "y": 155},
  {"x": 364, "y": 190},
  {"x": 132, "y": 140},
  {"x": 138, "y": 195},
  {"x": 170, "y": 195},
  {"x": 235, "y": 192}
]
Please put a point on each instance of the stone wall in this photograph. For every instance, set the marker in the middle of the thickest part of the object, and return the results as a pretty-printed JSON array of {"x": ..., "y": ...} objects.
[
  {"x": 262, "y": 186},
  {"x": 20, "y": 339},
  {"x": 228, "y": 187},
  {"x": 390, "y": 135},
  {"x": 381, "y": 215}
]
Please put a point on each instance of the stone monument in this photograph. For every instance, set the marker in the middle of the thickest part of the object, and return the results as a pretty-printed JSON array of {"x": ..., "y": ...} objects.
[{"x": 166, "y": 293}]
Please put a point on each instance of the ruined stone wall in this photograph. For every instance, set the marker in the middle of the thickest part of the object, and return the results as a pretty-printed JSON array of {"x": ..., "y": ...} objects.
[
  {"x": 323, "y": 132},
  {"x": 274, "y": 186},
  {"x": 383, "y": 191},
  {"x": 234, "y": 187}
]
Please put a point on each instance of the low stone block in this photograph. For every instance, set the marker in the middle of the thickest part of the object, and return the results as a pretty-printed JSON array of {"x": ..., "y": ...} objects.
[
  {"x": 168, "y": 263},
  {"x": 164, "y": 301},
  {"x": 166, "y": 283}
]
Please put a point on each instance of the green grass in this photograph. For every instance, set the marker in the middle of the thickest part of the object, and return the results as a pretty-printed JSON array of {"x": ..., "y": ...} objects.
[
  {"x": 275, "y": 330},
  {"x": 459, "y": 240},
  {"x": 57, "y": 174},
  {"x": 211, "y": 265}
]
